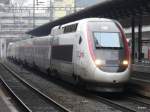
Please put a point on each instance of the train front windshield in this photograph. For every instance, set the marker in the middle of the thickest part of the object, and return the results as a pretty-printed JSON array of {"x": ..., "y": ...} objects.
[
  {"x": 108, "y": 46},
  {"x": 107, "y": 40}
]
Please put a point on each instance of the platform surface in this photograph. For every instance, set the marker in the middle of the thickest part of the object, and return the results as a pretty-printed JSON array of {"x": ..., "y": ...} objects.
[
  {"x": 141, "y": 68},
  {"x": 141, "y": 71},
  {"x": 3, "y": 106},
  {"x": 5, "y": 103}
]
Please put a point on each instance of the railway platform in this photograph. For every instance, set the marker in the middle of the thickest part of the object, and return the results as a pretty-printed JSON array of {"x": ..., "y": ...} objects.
[
  {"x": 140, "y": 78},
  {"x": 4, "y": 107},
  {"x": 141, "y": 71},
  {"x": 5, "y": 103}
]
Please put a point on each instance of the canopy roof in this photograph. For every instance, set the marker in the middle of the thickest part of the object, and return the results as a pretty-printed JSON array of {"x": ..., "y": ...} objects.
[{"x": 114, "y": 9}]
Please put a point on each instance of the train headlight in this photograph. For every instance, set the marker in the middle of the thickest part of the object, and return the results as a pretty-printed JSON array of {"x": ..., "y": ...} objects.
[
  {"x": 99, "y": 62},
  {"x": 125, "y": 62}
]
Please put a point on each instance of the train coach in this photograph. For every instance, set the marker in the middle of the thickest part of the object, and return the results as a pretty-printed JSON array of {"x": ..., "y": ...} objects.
[{"x": 93, "y": 51}]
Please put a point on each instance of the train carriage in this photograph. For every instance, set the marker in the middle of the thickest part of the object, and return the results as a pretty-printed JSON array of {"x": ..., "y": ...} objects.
[{"x": 91, "y": 50}]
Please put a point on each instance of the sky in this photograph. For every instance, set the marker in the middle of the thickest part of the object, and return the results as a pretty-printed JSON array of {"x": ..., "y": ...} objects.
[{"x": 83, "y": 3}]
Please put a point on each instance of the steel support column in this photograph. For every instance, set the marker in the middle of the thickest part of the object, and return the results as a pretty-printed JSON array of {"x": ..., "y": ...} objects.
[
  {"x": 51, "y": 11},
  {"x": 140, "y": 38},
  {"x": 33, "y": 13},
  {"x": 133, "y": 38}
]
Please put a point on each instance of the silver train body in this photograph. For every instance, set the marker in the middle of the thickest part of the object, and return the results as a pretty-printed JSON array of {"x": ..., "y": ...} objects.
[{"x": 93, "y": 51}]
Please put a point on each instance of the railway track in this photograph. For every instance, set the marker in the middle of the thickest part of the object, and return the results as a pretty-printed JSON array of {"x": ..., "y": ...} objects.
[
  {"x": 127, "y": 104},
  {"x": 140, "y": 100},
  {"x": 30, "y": 98},
  {"x": 140, "y": 85},
  {"x": 78, "y": 104},
  {"x": 114, "y": 104}
]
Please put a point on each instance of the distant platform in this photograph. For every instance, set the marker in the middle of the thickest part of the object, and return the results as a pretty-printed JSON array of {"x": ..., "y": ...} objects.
[
  {"x": 141, "y": 71},
  {"x": 139, "y": 67},
  {"x": 140, "y": 79}
]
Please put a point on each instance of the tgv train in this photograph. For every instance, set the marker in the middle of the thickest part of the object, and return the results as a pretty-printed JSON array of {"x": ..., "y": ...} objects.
[{"x": 92, "y": 51}]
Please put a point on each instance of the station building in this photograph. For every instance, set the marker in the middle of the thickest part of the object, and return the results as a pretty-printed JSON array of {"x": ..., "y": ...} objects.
[{"x": 62, "y": 8}]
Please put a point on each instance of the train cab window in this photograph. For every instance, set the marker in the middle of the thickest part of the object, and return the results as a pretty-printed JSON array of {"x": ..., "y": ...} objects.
[
  {"x": 80, "y": 40},
  {"x": 70, "y": 28},
  {"x": 106, "y": 34},
  {"x": 107, "y": 40}
]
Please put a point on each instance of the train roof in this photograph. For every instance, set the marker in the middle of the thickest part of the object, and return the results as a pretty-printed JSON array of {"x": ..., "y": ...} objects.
[
  {"x": 83, "y": 20},
  {"x": 88, "y": 19}
]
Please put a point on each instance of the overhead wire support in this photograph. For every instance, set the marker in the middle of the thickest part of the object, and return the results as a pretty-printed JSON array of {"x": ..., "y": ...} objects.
[{"x": 33, "y": 13}]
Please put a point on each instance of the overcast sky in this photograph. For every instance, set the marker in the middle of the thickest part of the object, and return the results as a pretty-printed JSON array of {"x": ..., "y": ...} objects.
[{"x": 84, "y": 3}]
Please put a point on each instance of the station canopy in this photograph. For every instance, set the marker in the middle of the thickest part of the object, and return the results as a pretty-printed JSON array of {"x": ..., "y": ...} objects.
[{"x": 115, "y": 9}]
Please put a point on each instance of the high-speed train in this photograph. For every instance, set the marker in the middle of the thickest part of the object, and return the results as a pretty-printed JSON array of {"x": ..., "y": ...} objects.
[{"x": 91, "y": 51}]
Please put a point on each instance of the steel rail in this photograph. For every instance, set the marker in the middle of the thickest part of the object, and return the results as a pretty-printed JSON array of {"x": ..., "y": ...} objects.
[
  {"x": 138, "y": 100},
  {"x": 24, "y": 106},
  {"x": 111, "y": 103},
  {"x": 114, "y": 104},
  {"x": 59, "y": 106}
]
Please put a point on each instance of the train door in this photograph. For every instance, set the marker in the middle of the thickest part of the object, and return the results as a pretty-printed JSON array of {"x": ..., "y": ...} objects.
[
  {"x": 62, "y": 55},
  {"x": 78, "y": 71},
  {"x": 66, "y": 59}
]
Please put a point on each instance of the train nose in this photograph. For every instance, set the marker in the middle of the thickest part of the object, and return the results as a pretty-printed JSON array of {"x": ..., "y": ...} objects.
[
  {"x": 112, "y": 66},
  {"x": 112, "y": 77}
]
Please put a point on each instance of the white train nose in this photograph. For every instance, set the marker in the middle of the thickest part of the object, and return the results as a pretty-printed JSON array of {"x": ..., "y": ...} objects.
[{"x": 106, "y": 77}]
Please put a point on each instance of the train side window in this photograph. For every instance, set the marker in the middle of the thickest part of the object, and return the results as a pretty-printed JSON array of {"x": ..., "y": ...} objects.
[{"x": 80, "y": 40}]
